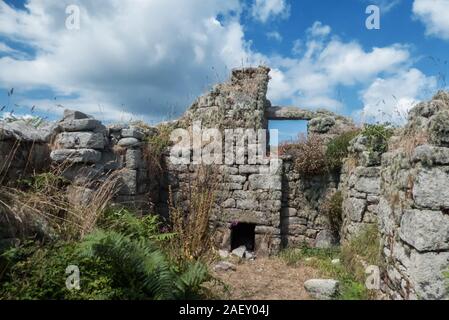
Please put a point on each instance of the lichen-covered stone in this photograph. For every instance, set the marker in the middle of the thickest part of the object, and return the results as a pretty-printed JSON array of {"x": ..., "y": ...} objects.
[
  {"x": 265, "y": 182},
  {"x": 76, "y": 155},
  {"x": 322, "y": 289},
  {"x": 134, "y": 159},
  {"x": 425, "y": 230},
  {"x": 133, "y": 132},
  {"x": 80, "y": 125},
  {"x": 431, "y": 188},
  {"x": 129, "y": 142},
  {"x": 80, "y": 140}
]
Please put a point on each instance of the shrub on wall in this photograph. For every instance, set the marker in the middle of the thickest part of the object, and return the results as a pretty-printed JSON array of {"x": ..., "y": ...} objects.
[
  {"x": 337, "y": 150},
  {"x": 308, "y": 155},
  {"x": 155, "y": 147}
]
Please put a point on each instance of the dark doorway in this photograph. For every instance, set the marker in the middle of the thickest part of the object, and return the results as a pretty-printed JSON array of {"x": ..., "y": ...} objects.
[{"x": 243, "y": 234}]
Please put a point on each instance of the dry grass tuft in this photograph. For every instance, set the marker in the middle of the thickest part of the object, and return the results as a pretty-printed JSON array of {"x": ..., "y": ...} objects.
[
  {"x": 409, "y": 141},
  {"x": 43, "y": 205},
  {"x": 190, "y": 217}
]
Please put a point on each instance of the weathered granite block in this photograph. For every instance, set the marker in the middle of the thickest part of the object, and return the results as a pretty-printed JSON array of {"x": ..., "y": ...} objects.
[{"x": 80, "y": 140}]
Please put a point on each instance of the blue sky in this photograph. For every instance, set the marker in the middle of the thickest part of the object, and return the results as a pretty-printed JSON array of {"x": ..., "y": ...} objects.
[{"x": 149, "y": 59}]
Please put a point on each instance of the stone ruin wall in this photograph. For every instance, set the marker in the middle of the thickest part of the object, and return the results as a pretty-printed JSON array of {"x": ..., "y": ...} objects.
[
  {"x": 284, "y": 207},
  {"x": 360, "y": 187},
  {"x": 303, "y": 222},
  {"x": 413, "y": 210},
  {"x": 248, "y": 193},
  {"x": 405, "y": 191}
]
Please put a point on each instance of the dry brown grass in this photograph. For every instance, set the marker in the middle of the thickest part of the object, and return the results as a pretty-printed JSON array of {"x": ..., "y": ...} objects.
[
  {"x": 190, "y": 223},
  {"x": 409, "y": 141},
  {"x": 47, "y": 207}
]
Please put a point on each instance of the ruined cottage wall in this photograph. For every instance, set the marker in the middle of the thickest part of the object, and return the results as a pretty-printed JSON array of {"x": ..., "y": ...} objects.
[
  {"x": 360, "y": 187},
  {"x": 284, "y": 207},
  {"x": 87, "y": 151},
  {"x": 413, "y": 207},
  {"x": 303, "y": 221},
  {"x": 247, "y": 193},
  {"x": 23, "y": 150}
]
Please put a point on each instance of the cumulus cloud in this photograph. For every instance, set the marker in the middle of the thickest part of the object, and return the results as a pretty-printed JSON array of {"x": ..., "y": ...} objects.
[
  {"x": 390, "y": 99},
  {"x": 319, "y": 30},
  {"x": 154, "y": 64},
  {"x": 264, "y": 10},
  {"x": 312, "y": 78},
  {"x": 150, "y": 64},
  {"x": 434, "y": 14},
  {"x": 274, "y": 35}
]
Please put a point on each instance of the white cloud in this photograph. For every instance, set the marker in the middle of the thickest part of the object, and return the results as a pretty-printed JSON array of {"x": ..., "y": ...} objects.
[
  {"x": 6, "y": 49},
  {"x": 319, "y": 30},
  {"x": 435, "y": 16},
  {"x": 136, "y": 58},
  {"x": 297, "y": 46},
  {"x": 147, "y": 57},
  {"x": 274, "y": 35},
  {"x": 264, "y": 10},
  {"x": 390, "y": 99},
  {"x": 312, "y": 79}
]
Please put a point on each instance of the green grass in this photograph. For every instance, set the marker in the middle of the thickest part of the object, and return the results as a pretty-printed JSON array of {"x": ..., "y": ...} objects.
[
  {"x": 366, "y": 247},
  {"x": 321, "y": 260}
]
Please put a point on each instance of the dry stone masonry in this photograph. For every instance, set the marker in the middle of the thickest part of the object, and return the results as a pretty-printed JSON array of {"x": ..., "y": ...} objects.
[
  {"x": 265, "y": 206},
  {"x": 360, "y": 186},
  {"x": 413, "y": 208}
]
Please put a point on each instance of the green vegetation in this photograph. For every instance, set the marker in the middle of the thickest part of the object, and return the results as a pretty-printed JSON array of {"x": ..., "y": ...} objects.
[
  {"x": 321, "y": 259},
  {"x": 40, "y": 182},
  {"x": 155, "y": 147},
  {"x": 337, "y": 150},
  {"x": 128, "y": 261},
  {"x": 333, "y": 209},
  {"x": 312, "y": 156},
  {"x": 120, "y": 254},
  {"x": 365, "y": 247},
  {"x": 378, "y": 136}
]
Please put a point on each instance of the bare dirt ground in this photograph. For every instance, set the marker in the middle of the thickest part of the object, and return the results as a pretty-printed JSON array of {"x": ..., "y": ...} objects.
[{"x": 267, "y": 279}]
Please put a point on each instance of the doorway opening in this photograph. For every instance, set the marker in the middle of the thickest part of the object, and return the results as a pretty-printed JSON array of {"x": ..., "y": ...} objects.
[{"x": 243, "y": 234}]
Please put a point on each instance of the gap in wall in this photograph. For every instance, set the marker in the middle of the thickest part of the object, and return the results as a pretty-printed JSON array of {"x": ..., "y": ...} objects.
[
  {"x": 288, "y": 130},
  {"x": 243, "y": 234}
]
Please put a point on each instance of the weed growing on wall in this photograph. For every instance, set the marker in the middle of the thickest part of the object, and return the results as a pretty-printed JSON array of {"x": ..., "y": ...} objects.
[
  {"x": 308, "y": 154},
  {"x": 363, "y": 250},
  {"x": 378, "y": 136},
  {"x": 337, "y": 150}
]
